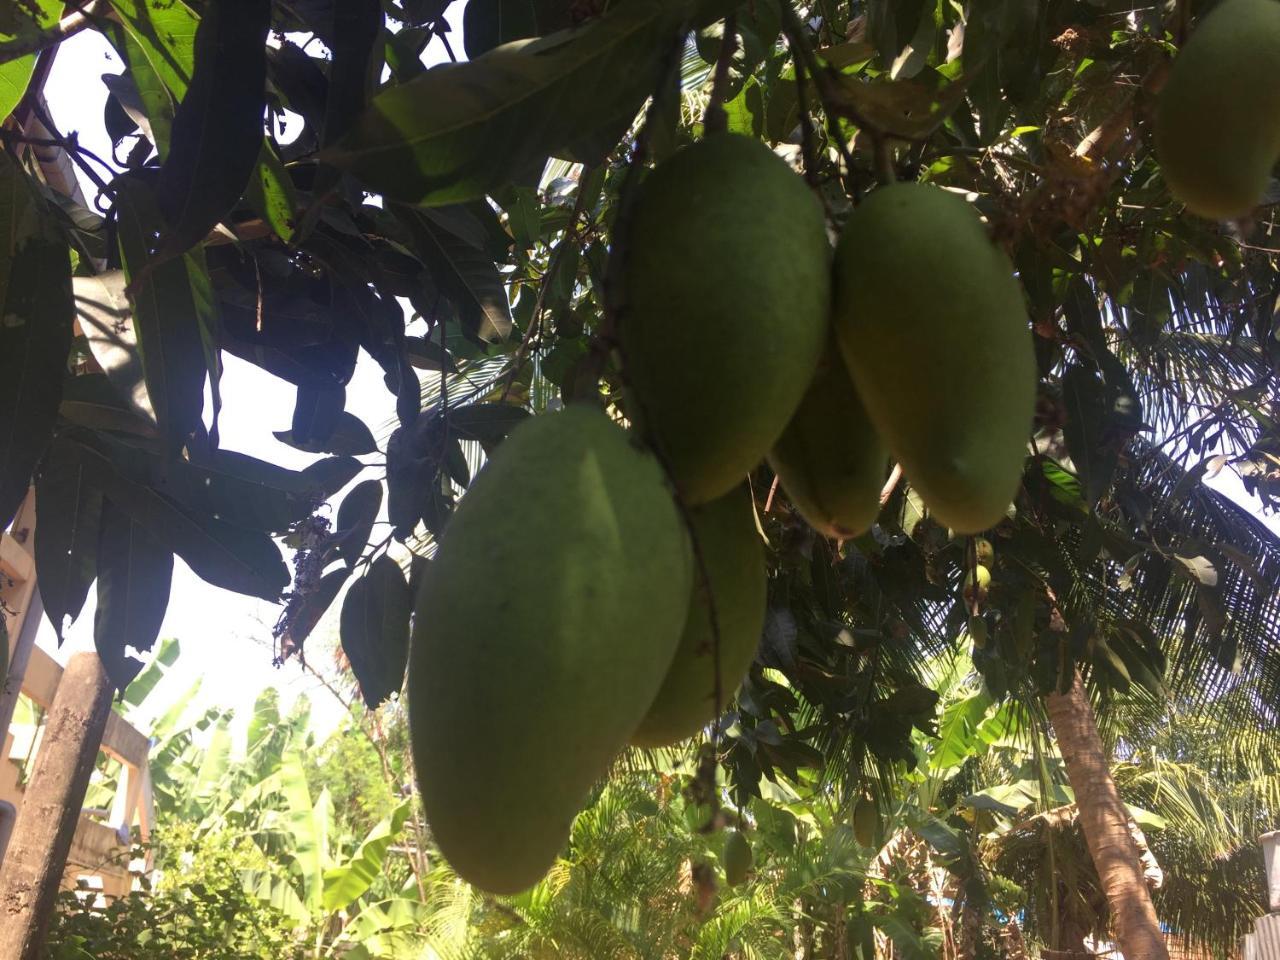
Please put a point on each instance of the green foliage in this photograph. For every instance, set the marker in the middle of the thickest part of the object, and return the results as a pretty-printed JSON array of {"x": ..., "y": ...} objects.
[{"x": 198, "y": 911}]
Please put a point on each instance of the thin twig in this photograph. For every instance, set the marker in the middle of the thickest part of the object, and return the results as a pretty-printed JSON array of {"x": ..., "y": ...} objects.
[
  {"x": 887, "y": 490},
  {"x": 773, "y": 488}
]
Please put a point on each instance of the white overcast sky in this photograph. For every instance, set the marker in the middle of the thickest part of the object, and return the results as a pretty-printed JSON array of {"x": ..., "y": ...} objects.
[{"x": 225, "y": 637}]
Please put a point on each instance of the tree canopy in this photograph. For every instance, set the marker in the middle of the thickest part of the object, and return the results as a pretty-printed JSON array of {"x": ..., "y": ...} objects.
[{"x": 291, "y": 185}]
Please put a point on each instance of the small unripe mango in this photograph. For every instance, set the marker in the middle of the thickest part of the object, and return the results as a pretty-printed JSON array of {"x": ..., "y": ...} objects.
[
  {"x": 726, "y": 303},
  {"x": 542, "y": 631},
  {"x": 866, "y": 822},
  {"x": 1218, "y": 120},
  {"x": 737, "y": 858},
  {"x": 734, "y": 556},
  {"x": 933, "y": 328},
  {"x": 830, "y": 460}
]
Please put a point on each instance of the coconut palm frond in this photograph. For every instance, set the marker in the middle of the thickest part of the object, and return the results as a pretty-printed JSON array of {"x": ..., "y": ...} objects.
[{"x": 1208, "y": 585}]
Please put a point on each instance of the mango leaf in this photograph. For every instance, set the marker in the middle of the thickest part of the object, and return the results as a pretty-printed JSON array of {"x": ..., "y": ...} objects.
[
  {"x": 166, "y": 316},
  {"x": 316, "y": 412},
  {"x": 160, "y": 49},
  {"x": 1085, "y": 430},
  {"x": 69, "y": 504},
  {"x": 245, "y": 561},
  {"x": 21, "y": 22},
  {"x": 155, "y": 104},
  {"x": 345, "y": 884},
  {"x": 35, "y": 333},
  {"x": 375, "y": 629},
  {"x": 134, "y": 575},
  {"x": 463, "y": 272},
  {"x": 490, "y": 23},
  {"x": 312, "y": 608},
  {"x": 270, "y": 192},
  {"x": 165, "y": 31},
  {"x": 106, "y": 320},
  {"x": 349, "y": 438},
  {"x": 460, "y": 131},
  {"x": 357, "y": 26},
  {"x": 223, "y": 105},
  {"x": 487, "y": 423},
  {"x": 356, "y": 517},
  {"x": 89, "y": 400}
]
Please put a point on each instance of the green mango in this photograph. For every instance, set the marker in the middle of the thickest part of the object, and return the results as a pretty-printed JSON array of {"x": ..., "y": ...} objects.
[
  {"x": 734, "y": 555},
  {"x": 1218, "y": 118},
  {"x": 726, "y": 297},
  {"x": 866, "y": 822},
  {"x": 737, "y": 858},
  {"x": 542, "y": 632},
  {"x": 933, "y": 328},
  {"x": 830, "y": 459}
]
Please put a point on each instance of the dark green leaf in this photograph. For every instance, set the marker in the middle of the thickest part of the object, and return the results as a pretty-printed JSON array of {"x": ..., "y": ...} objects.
[
  {"x": 270, "y": 192},
  {"x": 106, "y": 319},
  {"x": 312, "y": 608},
  {"x": 349, "y": 438},
  {"x": 35, "y": 333},
  {"x": 89, "y": 400},
  {"x": 224, "y": 555},
  {"x": 315, "y": 415},
  {"x": 326, "y": 477},
  {"x": 375, "y": 629},
  {"x": 490, "y": 23},
  {"x": 165, "y": 317},
  {"x": 217, "y": 131},
  {"x": 428, "y": 355},
  {"x": 134, "y": 575},
  {"x": 356, "y": 517},
  {"x": 489, "y": 423},
  {"x": 357, "y": 26},
  {"x": 1085, "y": 431},
  {"x": 434, "y": 140},
  {"x": 463, "y": 272},
  {"x": 69, "y": 504}
]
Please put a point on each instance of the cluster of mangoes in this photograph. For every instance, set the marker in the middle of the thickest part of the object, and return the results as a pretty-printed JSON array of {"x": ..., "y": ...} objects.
[
  {"x": 1218, "y": 121},
  {"x": 597, "y": 586}
]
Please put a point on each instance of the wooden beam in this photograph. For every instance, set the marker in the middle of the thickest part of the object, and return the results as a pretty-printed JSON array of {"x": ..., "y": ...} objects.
[{"x": 33, "y": 865}]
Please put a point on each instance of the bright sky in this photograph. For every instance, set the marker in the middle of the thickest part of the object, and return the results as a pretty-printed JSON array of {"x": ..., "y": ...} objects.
[{"x": 226, "y": 638}]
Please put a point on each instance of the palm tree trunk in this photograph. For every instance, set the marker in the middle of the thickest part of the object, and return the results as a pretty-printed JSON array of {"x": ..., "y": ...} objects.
[{"x": 1105, "y": 822}]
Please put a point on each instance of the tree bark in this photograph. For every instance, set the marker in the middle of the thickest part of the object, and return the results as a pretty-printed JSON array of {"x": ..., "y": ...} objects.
[
  {"x": 37, "y": 854},
  {"x": 1104, "y": 820}
]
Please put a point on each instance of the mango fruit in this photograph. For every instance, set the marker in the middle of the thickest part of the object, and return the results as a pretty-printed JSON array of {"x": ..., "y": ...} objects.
[
  {"x": 725, "y": 305},
  {"x": 866, "y": 822},
  {"x": 1217, "y": 129},
  {"x": 737, "y": 858},
  {"x": 933, "y": 328},
  {"x": 542, "y": 632},
  {"x": 979, "y": 575},
  {"x": 734, "y": 555},
  {"x": 829, "y": 459}
]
